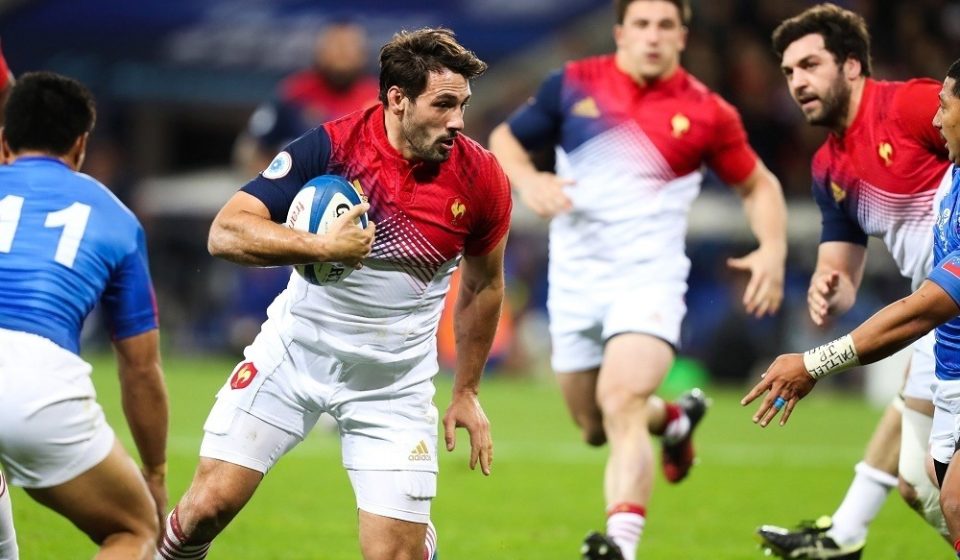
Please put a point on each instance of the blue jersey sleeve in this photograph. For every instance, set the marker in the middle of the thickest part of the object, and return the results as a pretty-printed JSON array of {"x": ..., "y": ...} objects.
[
  {"x": 537, "y": 124},
  {"x": 947, "y": 275},
  {"x": 837, "y": 225},
  {"x": 301, "y": 160},
  {"x": 128, "y": 299}
]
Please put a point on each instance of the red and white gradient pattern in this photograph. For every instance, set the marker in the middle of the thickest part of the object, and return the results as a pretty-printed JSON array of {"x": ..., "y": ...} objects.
[
  {"x": 904, "y": 222},
  {"x": 630, "y": 210},
  {"x": 402, "y": 244}
]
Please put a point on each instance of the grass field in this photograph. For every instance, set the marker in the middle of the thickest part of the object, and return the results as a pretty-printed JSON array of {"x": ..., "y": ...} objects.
[{"x": 544, "y": 493}]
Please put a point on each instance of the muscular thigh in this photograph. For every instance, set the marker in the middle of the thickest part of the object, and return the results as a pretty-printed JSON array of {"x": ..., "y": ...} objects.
[{"x": 634, "y": 364}]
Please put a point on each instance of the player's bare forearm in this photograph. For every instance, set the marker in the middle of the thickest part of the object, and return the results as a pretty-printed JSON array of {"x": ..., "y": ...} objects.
[
  {"x": 902, "y": 322},
  {"x": 512, "y": 156},
  {"x": 144, "y": 397},
  {"x": 766, "y": 211},
  {"x": 243, "y": 233},
  {"x": 475, "y": 324},
  {"x": 836, "y": 279}
]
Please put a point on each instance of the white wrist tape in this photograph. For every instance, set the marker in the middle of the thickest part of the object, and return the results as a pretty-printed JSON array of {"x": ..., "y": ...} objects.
[{"x": 832, "y": 357}]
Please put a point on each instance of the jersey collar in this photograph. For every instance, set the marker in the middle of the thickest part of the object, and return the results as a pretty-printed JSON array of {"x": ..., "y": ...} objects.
[
  {"x": 40, "y": 159},
  {"x": 670, "y": 85}
]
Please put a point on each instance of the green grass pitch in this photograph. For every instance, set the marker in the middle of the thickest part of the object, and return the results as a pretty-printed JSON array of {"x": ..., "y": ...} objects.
[{"x": 545, "y": 491}]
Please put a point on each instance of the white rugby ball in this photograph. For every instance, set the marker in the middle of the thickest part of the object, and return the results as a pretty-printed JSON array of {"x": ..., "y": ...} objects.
[{"x": 321, "y": 201}]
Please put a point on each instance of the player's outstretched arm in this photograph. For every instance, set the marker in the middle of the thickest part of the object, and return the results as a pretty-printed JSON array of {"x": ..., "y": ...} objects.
[
  {"x": 476, "y": 316},
  {"x": 792, "y": 376},
  {"x": 766, "y": 211},
  {"x": 243, "y": 233},
  {"x": 540, "y": 191},
  {"x": 836, "y": 279},
  {"x": 144, "y": 396}
]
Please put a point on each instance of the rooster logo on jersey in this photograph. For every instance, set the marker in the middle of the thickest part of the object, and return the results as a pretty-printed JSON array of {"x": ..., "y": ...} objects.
[
  {"x": 457, "y": 210},
  {"x": 838, "y": 193},
  {"x": 680, "y": 125},
  {"x": 885, "y": 150}
]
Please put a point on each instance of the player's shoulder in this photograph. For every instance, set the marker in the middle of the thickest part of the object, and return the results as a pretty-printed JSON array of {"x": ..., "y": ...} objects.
[
  {"x": 107, "y": 201},
  {"x": 348, "y": 129},
  {"x": 590, "y": 69},
  {"x": 476, "y": 163}
]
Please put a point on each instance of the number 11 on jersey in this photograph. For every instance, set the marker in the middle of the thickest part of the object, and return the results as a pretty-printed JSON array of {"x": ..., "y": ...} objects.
[{"x": 73, "y": 219}]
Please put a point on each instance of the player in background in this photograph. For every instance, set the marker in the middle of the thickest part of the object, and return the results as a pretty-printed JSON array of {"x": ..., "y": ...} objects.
[
  {"x": 66, "y": 243},
  {"x": 631, "y": 132},
  {"x": 364, "y": 350},
  {"x": 877, "y": 174},
  {"x": 935, "y": 304},
  {"x": 337, "y": 83}
]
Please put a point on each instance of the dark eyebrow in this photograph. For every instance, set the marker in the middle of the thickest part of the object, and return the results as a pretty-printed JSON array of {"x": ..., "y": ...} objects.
[{"x": 800, "y": 62}]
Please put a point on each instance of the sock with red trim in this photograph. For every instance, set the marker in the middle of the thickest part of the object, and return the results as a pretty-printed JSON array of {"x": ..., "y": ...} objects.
[
  {"x": 625, "y": 523},
  {"x": 173, "y": 543}
]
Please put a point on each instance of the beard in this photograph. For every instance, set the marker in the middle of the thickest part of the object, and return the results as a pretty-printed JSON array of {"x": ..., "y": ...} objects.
[
  {"x": 422, "y": 145},
  {"x": 834, "y": 105}
]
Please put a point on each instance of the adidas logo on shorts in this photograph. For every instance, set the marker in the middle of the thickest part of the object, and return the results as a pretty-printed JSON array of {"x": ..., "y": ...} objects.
[{"x": 420, "y": 453}]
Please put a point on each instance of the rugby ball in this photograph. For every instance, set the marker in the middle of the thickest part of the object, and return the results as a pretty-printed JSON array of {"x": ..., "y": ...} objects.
[{"x": 318, "y": 204}]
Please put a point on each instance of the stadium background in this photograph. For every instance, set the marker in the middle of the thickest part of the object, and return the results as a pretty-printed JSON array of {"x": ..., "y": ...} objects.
[{"x": 176, "y": 81}]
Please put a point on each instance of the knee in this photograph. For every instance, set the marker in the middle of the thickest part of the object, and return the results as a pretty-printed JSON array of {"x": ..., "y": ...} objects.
[
  {"x": 594, "y": 435},
  {"x": 908, "y": 493},
  {"x": 616, "y": 404},
  {"x": 950, "y": 503}
]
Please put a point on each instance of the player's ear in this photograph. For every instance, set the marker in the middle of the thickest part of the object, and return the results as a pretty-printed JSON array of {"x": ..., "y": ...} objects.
[
  {"x": 852, "y": 68},
  {"x": 5, "y": 153},
  {"x": 617, "y": 33},
  {"x": 79, "y": 150},
  {"x": 396, "y": 100}
]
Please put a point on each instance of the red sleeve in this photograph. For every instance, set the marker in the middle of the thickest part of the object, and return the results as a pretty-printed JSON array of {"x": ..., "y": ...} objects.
[
  {"x": 492, "y": 224},
  {"x": 4, "y": 73},
  {"x": 915, "y": 104},
  {"x": 729, "y": 154}
]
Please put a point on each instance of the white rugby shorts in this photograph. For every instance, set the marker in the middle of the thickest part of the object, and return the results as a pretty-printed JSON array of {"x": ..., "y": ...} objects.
[
  {"x": 922, "y": 377},
  {"x": 582, "y": 321},
  {"x": 385, "y": 414},
  {"x": 945, "y": 432},
  {"x": 51, "y": 427}
]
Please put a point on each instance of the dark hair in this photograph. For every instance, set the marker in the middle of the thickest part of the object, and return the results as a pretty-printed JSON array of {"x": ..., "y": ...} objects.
[
  {"x": 954, "y": 72},
  {"x": 47, "y": 112},
  {"x": 683, "y": 6},
  {"x": 844, "y": 33},
  {"x": 407, "y": 60}
]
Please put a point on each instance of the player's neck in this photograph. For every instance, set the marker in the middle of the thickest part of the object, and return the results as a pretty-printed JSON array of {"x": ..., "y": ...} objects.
[
  {"x": 66, "y": 159},
  {"x": 853, "y": 108},
  {"x": 623, "y": 65}
]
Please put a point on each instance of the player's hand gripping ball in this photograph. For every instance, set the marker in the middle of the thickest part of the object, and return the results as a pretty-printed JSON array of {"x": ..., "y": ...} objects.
[{"x": 321, "y": 201}]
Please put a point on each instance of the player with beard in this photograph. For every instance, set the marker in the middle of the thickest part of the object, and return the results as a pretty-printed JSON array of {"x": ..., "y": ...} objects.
[
  {"x": 364, "y": 350},
  {"x": 935, "y": 304},
  {"x": 877, "y": 174}
]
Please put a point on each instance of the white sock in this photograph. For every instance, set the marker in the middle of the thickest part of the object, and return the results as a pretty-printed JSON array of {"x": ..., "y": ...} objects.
[
  {"x": 8, "y": 537},
  {"x": 625, "y": 529},
  {"x": 431, "y": 541},
  {"x": 863, "y": 501}
]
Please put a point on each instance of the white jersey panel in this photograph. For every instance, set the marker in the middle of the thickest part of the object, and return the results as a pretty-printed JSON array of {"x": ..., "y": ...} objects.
[
  {"x": 384, "y": 312},
  {"x": 905, "y": 223},
  {"x": 629, "y": 213}
]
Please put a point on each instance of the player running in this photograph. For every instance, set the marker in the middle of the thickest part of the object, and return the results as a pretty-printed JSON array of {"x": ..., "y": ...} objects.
[{"x": 631, "y": 132}]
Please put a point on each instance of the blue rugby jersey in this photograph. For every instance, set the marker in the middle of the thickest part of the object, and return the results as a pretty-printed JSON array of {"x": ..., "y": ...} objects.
[{"x": 66, "y": 243}]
